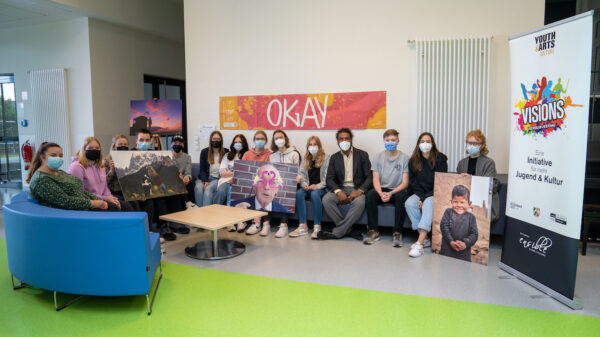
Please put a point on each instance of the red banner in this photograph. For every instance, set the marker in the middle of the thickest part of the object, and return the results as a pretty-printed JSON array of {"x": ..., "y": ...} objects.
[{"x": 355, "y": 110}]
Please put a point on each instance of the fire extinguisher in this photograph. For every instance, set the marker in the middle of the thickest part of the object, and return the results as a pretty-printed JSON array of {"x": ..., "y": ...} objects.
[{"x": 27, "y": 153}]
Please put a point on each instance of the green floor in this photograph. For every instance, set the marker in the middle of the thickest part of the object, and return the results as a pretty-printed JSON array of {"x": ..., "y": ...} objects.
[{"x": 202, "y": 302}]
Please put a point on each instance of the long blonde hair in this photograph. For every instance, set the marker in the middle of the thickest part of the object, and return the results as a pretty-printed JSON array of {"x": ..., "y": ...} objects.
[
  {"x": 318, "y": 158},
  {"x": 211, "y": 151},
  {"x": 81, "y": 154}
]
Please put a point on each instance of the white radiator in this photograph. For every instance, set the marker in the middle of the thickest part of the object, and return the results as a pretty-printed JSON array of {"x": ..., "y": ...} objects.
[
  {"x": 453, "y": 77},
  {"x": 50, "y": 106}
]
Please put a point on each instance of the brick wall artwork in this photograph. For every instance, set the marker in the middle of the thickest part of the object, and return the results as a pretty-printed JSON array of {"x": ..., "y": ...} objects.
[
  {"x": 480, "y": 191},
  {"x": 248, "y": 178}
]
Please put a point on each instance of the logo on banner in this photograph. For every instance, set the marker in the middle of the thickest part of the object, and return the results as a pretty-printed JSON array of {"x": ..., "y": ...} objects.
[
  {"x": 558, "y": 218},
  {"x": 543, "y": 107},
  {"x": 539, "y": 246},
  {"x": 536, "y": 212},
  {"x": 544, "y": 44}
]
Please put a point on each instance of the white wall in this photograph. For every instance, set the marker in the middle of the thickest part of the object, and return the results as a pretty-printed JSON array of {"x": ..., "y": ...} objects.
[
  {"x": 119, "y": 59},
  {"x": 311, "y": 46},
  {"x": 63, "y": 44}
]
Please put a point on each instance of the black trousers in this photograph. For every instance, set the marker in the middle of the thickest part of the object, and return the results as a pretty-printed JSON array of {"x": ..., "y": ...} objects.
[{"x": 397, "y": 200}]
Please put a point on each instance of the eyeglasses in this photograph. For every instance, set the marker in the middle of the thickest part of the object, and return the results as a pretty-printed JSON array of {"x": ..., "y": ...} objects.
[
  {"x": 473, "y": 143},
  {"x": 268, "y": 178}
]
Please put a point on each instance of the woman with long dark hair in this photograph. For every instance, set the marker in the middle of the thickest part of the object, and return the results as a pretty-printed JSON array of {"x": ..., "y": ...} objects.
[
  {"x": 55, "y": 188},
  {"x": 424, "y": 162},
  {"x": 210, "y": 162}
]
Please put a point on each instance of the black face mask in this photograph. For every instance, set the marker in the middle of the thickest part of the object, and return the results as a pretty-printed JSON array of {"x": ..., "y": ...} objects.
[
  {"x": 92, "y": 154},
  {"x": 177, "y": 148},
  {"x": 216, "y": 143},
  {"x": 122, "y": 148}
]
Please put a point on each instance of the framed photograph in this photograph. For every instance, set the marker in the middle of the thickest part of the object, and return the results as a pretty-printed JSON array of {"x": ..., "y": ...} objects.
[{"x": 162, "y": 117}]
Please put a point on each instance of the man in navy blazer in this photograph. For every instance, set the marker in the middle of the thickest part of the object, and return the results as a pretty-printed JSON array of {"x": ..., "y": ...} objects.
[
  {"x": 267, "y": 183},
  {"x": 349, "y": 177}
]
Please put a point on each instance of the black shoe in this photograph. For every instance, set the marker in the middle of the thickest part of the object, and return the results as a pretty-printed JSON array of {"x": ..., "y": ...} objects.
[
  {"x": 169, "y": 236},
  {"x": 181, "y": 230},
  {"x": 356, "y": 234},
  {"x": 323, "y": 235}
]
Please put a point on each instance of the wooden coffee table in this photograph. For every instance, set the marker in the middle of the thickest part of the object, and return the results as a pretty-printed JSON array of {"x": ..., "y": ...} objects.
[{"x": 213, "y": 218}]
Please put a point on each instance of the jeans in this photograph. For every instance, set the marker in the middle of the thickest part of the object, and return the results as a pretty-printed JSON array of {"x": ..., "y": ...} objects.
[
  {"x": 397, "y": 200},
  {"x": 204, "y": 196},
  {"x": 317, "y": 204},
  {"x": 420, "y": 218},
  {"x": 222, "y": 194}
]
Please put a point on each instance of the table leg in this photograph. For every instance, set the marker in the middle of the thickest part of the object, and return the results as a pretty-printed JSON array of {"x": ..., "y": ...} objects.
[
  {"x": 215, "y": 249},
  {"x": 215, "y": 240}
]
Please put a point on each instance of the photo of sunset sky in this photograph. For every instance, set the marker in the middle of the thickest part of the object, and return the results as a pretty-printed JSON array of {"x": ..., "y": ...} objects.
[{"x": 161, "y": 116}]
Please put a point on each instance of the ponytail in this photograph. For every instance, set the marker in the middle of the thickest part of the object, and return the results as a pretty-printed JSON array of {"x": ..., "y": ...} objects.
[{"x": 37, "y": 159}]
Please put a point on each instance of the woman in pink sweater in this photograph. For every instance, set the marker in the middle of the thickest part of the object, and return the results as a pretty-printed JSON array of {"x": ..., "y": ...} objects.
[{"x": 87, "y": 165}]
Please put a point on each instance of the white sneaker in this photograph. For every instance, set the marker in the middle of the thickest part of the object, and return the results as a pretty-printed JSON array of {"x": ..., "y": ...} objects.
[
  {"x": 416, "y": 250},
  {"x": 241, "y": 226},
  {"x": 267, "y": 229},
  {"x": 231, "y": 228},
  {"x": 162, "y": 240},
  {"x": 316, "y": 230},
  {"x": 190, "y": 205},
  {"x": 253, "y": 229},
  {"x": 301, "y": 230},
  {"x": 427, "y": 243},
  {"x": 282, "y": 232}
]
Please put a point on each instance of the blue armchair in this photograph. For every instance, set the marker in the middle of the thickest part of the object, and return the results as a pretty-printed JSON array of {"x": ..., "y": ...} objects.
[{"x": 81, "y": 252}]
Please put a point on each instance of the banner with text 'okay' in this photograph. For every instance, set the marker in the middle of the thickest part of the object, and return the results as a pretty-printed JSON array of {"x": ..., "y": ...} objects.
[{"x": 329, "y": 111}]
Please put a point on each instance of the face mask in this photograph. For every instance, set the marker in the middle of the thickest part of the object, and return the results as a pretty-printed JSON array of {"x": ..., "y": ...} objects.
[
  {"x": 391, "y": 146},
  {"x": 280, "y": 142},
  {"x": 143, "y": 146},
  {"x": 92, "y": 154},
  {"x": 313, "y": 150},
  {"x": 473, "y": 149},
  {"x": 215, "y": 143},
  {"x": 177, "y": 148},
  {"x": 259, "y": 144},
  {"x": 55, "y": 163},
  {"x": 237, "y": 146},
  {"x": 122, "y": 148},
  {"x": 345, "y": 146},
  {"x": 425, "y": 147}
]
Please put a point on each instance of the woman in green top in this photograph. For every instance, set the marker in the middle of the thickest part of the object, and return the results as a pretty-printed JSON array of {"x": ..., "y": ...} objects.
[{"x": 54, "y": 187}]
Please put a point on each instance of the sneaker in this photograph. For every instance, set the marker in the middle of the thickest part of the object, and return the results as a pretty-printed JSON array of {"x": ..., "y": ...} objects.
[
  {"x": 416, "y": 250},
  {"x": 372, "y": 237},
  {"x": 190, "y": 205},
  {"x": 241, "y": 226},
  {"x": 162, "y": 240},
  {"x": 231, "y": 228},
  {"x": 281, "y": 232},
  {"x": 301, "y": 230},
  {"x": 397, "y": 239},
  {"x": 323, "y": 235},
  {"x": 169, "y": 236},
  {"x": 181, "y": 230},
  {"x": 356, "y": 234},
  {"x": 267, "y": 229},
  {"x": 253, "y": 229},
  {"x": 315, "y": 233},
  {"x": 427, "y": 243}
]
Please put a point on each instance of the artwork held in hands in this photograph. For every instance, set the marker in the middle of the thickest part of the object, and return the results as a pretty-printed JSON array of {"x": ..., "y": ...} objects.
[
  {"x": 461, "y": 217},
  {"x": 147, "y": 174},
  {"x": 264, "y": 186}
]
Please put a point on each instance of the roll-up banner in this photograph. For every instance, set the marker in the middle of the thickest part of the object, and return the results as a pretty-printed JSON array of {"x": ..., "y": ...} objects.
[{"x": 550, "y": 92}]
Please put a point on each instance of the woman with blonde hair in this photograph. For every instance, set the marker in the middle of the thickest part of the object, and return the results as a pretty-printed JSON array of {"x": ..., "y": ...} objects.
[
  {"x": 479, "y": 164},
  {"x": 88, "y": 166},
  {"x": 313, "y": 173}
]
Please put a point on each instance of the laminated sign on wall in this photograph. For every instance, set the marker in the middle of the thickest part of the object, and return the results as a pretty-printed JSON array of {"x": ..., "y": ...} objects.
[{"x": 550, "y": 91}]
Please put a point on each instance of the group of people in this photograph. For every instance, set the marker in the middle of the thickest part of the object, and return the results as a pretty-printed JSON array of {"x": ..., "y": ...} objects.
[{"x": 347, "y": 176}]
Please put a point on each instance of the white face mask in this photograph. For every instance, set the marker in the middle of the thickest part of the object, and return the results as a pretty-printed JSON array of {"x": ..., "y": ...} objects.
[
  {"x": 280, "y": 142},
  {"x": 313, "y": 150},
  {"x": 425, "y": 147},
  {"x": 345, "y": 146}
]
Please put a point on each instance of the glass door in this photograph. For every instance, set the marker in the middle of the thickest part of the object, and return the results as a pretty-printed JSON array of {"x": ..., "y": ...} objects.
[{"x": 10, "y": 159}]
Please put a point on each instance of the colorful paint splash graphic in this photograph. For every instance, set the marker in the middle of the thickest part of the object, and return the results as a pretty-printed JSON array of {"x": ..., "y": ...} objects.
[{"x": 543, "y": 108}]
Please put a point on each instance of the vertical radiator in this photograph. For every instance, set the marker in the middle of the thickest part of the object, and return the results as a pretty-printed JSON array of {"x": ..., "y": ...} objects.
[
  {"x": 50, "y": 105},
  {"x": 453, "y": 77}
]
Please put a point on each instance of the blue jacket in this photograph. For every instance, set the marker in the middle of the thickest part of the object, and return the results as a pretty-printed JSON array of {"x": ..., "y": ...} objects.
[{"x": 275, "y": 206}]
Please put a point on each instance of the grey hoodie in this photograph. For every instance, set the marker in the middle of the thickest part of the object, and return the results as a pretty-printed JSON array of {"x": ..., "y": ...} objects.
[{"x": 289, "y": 156}]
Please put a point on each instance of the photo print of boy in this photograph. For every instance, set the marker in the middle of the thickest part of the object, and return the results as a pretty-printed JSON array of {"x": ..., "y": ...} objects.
[{"x": 458, "y": 226}]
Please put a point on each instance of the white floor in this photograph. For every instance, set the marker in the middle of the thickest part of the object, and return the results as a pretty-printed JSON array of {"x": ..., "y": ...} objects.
[{"x": 381, "y": 267}]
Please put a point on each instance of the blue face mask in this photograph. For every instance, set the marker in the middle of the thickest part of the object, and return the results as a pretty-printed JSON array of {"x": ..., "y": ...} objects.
[
  {"x": 237, "y": 146},
  {"x": 55, "y": 163},
  {"x": 259, "y": 144},
  {"x": 143, "y": 146},
  {"x": 391, "y": 146},
  {"x": 473, "y": 149}
]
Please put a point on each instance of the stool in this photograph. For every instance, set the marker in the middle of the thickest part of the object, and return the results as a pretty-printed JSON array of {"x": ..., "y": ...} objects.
[{"x": 591, "y": 213}]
